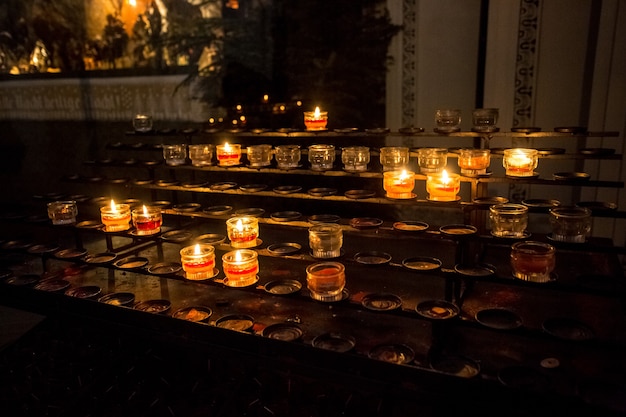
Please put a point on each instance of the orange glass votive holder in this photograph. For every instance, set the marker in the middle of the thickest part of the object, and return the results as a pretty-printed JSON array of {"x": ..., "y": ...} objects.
[
  {"x": 115, "y": 217},
  {"x": 242, "y": 231},
  {"x": 198, "y": 261},
  {"x": 533, "y": 261},
  {"x": 315, "y": 120},
  {"x": 443, "y": 187},
  {"x": 520, "y": 162},
  {"x": 326, "y": 281},
  {"x": 241, "y": 267},
  {"x": 399, "y": 184},
  {"x": 228, "y": 155},
  {"x": 474, "y": 162},
  {"x": 147, "y": 220}
]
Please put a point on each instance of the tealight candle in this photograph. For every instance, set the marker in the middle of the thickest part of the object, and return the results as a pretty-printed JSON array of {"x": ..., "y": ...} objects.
[
  {"x": 243, "y": 231},
  {"x": 399, "y": 184},
  {"x": 115, "y": 217},
  {"x": 315, "y": 120},
  {"x": 198, "y": 261},
  {"x": 474, "y": 162},
  {"x": 147, "y": 220},
  {"x": 240, "y": 267},
  {"x": 520, "y": 162},
  {"x": 228, "y": 155},
  {"x": 326, "y": 280},
  {"x": 532, "y": 261},
  {"x": 443, "y": 187}
]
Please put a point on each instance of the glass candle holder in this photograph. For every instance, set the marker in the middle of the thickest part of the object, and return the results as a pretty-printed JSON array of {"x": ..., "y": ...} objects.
[
  {"x": 240, "y": 267},
  {"x": 228, "y": 155},
  {"x": 321, "y": 157},
  {"x": 399, "y": 184},
  {"x": 520, "y": 162},
  {"x": 115, "y": 217},
  {"x": 394, "y": 157},
  {"x": 432, "y": 160},
  {"x": 474, "y": 162},
  {"x": 259, "y": 155},
  {"x": 325, "y": 240},
  {"x": 142, "y": 123},
  {"x": 147, "y": 220},
  {"x": 532, "y": 261},
  {"x": 201, "y": 155},
  {"x": 508, "y": 220},
  {"x": 62, "y": 212},
  {"x": 355, "y": 158},
  {"x": 287, "y": 156},
  {"x": 485, "y": 120},
  {"x": 447, "y": 120},
  {"x": 198, "y": 261},
  {"x": 175, "y": 155},
  {"x": 243, "y": 231},
  {"x": 326, "y": 281},
  {"x": 443, "y": 187},
  {"x": 570, "y": 224},
  {"x": 315, "y": 120}
]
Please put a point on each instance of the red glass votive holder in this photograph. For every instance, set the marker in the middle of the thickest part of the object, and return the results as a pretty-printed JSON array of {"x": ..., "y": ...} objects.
[
  {"x": 198, "y": 261},
  {"x": 241, "y": 267},
  {"x": 147, "y": 220}
]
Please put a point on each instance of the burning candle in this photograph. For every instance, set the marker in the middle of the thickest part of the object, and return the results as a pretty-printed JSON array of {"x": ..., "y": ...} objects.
[
  {"x": 228, "y": 155},
  {"x": 326, "y": 280},
  {"x": 520, "y": 162},
  {"x": 399, "y": 184},
  {"x": 474, "y": 162},
  {"x": 240, "y": 267},
  {"x": 147, "y": 220},
  {"x": 115, "y": 217},
  {"x": 443, "y": 187},
  {"x": 198, "y": 261},
  {"x": 315, "y": 120},
  {"x": 243, "y": 231}
]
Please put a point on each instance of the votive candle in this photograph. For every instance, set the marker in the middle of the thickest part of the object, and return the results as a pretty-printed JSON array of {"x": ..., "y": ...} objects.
[
  {"x": 147, "y": 220},
  {"x": 243, "y": 231},
  {"x": 240, "y": 267},
  {"x": 315, "y": 120},
  {"x": 198, "y": 261},
  {"x": 520, "y": 162},
  {"x": 399, "y": 184},
  {"x": 228, "y": 155},
  {"x": 474, "y": 161},
  {"x": 443, "y": 187},
  {"x": 115, "y": 217}
]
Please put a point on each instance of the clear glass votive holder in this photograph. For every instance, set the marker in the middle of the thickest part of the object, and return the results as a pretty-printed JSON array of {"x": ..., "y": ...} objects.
[
  {"x": 287, "y": 156},
  {"x": 532, "y": 261},
  {"x": 394, "y": 157},
  {"x": 485, "y": 120},
  {"x": 443, "y": 186},
  {"x": 147, "y": 220},
  {"x": 355, "y": 158},
  {"x": 432, "y": 160},
  {"x": 325, "y": 240},
  {"x": 201, "y": 154},
  {"x": 142, "y": 123},
  {"x": 399, "y": 184},
  {"x": 447, "y": 120},
  {"x": 326, "y": 281},
  {"x": 198, "y": 261},
  {"x": 259, "y": 155},
  {"x": 115, "y": 217},
  {"x": 62, "y": 212},
  {"x": 175, "y": 155},
  {"x": 570, "y": 224},
  {"x": 321, "y": 157},
  {"x": 228, "y": 155},
  {"x": 242, "y": 231},
  {"x": 241, "y": 267},
  {"x": 520, "y": 162},
  {"x": 508, "y": 220},
  {"x": 474, "y": 162}
]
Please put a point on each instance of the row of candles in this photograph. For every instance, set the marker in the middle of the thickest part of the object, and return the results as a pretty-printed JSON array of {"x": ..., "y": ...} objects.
[{"x": 518, "y": 162}]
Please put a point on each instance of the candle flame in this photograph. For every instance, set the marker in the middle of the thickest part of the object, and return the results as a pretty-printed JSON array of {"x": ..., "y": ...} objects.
[
  {"x": 196, "y": 249},
  {"x": 238, "y": 257},
  {"x": 113, "y": 206},
  {"x": 239, "y": 225},
  {"x": 266, "y": 98},
  {"x": 445, "y": 179},
  {"x": 145, "y": 211},
  {"x": 226, "y": 147},
  {"x": 404, "y": 175},
  {"x": 316, "y": 114}
]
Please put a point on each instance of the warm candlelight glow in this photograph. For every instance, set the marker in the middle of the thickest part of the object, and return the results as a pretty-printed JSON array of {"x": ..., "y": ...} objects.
[
  {"x": 240, "y": 267},
  {"x": 520, "y": 162},
  {"x": 243, "y": 231},
  {"x": 115, "y": 217},
  {"x": 113, "y": 207},
  {"x": 443, "y": 186},
  {"x": 228, "y": 155},
  {"x": 315, "y": 120},
  {"x": 474, "y": 162},
  {"x": 196, "y": 249},
  {"x": 399, "y": 184},
  {"x": 316, "y": 113},
  {"x": 147, "y": 220},
  {"x": 198, "y": 261},
  {"x": 145, "y": 210}
]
